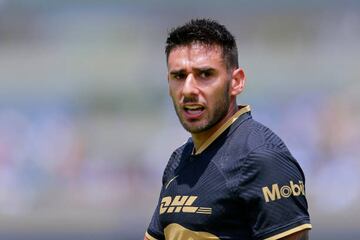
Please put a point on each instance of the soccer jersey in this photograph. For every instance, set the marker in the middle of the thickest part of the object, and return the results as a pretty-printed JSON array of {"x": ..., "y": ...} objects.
[{"x": 242, "y": 183}]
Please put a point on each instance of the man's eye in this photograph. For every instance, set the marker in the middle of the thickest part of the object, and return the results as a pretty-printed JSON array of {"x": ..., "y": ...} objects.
[
  {"x": 205, "y": 74},
  {"x": 179, "y": 76}
]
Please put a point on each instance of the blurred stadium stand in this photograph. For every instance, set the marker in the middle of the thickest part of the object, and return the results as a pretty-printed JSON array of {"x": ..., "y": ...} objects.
[{"x": 86, "y": 125}]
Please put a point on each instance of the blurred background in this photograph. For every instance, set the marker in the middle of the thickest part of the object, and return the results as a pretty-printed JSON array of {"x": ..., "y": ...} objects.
[{"x": 87, "y": 127}]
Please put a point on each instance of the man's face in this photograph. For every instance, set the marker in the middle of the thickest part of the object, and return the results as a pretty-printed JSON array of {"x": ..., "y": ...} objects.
[{"x": 199, "y": 85}]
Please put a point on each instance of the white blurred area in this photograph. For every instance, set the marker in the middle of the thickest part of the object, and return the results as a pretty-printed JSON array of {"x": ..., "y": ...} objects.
[{"x": 86, "y": 124}]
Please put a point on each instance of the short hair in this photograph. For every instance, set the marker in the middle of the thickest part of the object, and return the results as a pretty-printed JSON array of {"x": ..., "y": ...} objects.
[{"x": 207, "y": 32}]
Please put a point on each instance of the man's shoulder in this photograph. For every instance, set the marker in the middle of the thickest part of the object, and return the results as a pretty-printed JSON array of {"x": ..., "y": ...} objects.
[
  {"x": 252, "y": 136},
  {"x": 254, "y": 151},
  {"x": 250, "y": 140}
]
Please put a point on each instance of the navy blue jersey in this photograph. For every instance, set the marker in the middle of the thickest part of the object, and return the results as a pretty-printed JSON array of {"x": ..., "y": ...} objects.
[{"x": 244, "y": 184}]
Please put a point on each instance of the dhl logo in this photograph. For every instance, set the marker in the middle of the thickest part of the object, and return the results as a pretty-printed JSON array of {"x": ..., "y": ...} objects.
[{"x": 181, "y": 204}]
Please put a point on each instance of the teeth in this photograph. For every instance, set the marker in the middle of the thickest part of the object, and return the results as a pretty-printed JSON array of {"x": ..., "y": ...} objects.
[{"x": 193, "y": 107}]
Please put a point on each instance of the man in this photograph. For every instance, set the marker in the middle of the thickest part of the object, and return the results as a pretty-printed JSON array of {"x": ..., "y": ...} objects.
[{"x": 234, "y": 178}]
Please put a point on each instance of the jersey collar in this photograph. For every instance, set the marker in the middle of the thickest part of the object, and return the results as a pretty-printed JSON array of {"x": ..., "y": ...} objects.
[{"x": 215, "y": 135}]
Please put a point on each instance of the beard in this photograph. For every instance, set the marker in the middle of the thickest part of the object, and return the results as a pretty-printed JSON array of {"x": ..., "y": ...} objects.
[{"x": 211, "y": 117}]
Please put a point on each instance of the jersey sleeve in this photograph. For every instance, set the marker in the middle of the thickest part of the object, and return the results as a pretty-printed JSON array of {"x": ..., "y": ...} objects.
[
  {"x": 155, "y": 230},
  {"x": 271, "y": 184}
]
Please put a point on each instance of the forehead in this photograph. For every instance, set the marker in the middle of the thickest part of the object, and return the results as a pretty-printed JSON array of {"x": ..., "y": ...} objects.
[{"x": 195, "y": 54}]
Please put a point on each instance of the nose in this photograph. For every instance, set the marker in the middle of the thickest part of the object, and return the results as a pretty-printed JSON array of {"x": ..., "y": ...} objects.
[{"x": 190, "y": 87}]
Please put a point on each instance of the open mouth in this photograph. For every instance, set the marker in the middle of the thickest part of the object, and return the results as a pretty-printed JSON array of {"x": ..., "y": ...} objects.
[{"x": 194, "y": 109}]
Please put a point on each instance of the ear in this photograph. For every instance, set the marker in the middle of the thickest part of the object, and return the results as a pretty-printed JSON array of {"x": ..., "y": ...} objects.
[{"x": 237, "y": 81}]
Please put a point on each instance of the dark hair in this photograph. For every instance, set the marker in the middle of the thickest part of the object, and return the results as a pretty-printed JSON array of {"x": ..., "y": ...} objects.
[{"x": 204, "y": 31}]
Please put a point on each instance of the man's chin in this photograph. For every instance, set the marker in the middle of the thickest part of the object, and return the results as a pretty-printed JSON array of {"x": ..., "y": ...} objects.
[{"x": 195, "y": 128}]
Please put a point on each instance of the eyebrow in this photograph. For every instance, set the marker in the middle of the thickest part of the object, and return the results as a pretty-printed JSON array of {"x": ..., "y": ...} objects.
[
  {"x": 200, "y": 69},
  {"x": 205, "y": 69},
  {"x": 174, "y": 72}
]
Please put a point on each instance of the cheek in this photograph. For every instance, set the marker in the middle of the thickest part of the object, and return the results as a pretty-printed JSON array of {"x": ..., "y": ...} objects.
[
  {"x": 173, "y": 94},
  {"x": 217, "y": 93},
  {"x": 171, "y": 89},
  {"x": 174, "y": 90}
]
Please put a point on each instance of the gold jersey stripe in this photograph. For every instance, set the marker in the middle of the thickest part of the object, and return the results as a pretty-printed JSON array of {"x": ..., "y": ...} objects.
[
  {"x": 243, "y": 109},
  {"x": 209, "y": 211},
  {"x": 148, "y": 236},
  {"x": 291, "y": 231},
  {"x": 175, "y": 231}
]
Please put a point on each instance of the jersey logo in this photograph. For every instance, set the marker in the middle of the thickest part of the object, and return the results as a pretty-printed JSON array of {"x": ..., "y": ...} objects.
[
  {"x": 181, "y": 204},
  {"x": 167, "y": 185},
  {"x": 285, "y": 191}
]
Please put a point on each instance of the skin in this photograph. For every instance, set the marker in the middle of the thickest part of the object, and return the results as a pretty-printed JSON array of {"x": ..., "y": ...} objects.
[
  {"x": 198, "y": 76},
  {"x": 301, "y": 235}
]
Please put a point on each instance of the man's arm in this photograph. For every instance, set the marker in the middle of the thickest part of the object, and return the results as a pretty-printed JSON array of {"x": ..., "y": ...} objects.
[
  {"x": 148, "y": 237},
  {"x": 301, "y": 235}
]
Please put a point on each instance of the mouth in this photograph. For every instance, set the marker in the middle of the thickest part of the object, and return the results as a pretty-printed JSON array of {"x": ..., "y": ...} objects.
[{"x": 193, "y": 111}]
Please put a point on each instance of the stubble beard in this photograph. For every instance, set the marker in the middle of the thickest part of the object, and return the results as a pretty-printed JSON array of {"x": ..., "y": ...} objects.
[{"x": 220, "y": 110}]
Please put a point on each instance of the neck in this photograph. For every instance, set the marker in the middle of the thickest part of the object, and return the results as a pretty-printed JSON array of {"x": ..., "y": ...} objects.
[{"x": 200, "y": 138}]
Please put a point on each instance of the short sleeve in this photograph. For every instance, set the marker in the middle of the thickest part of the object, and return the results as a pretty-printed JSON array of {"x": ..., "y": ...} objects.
[
  {"x": 271, "y": 185},
  {"x": 155, "y": 230}
]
